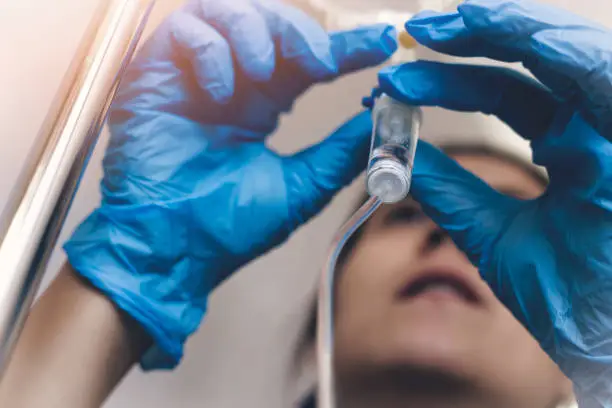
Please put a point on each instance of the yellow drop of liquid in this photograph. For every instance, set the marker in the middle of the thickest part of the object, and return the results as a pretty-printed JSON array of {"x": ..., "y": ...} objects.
[{"x": 406, "y": 40}]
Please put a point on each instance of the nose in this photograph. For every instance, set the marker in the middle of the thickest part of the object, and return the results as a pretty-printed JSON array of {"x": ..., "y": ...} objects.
[{"x": 434, "y": 238}]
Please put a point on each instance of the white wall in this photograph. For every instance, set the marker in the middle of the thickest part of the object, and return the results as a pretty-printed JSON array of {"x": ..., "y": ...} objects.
[{"x": 236, "y": 357}]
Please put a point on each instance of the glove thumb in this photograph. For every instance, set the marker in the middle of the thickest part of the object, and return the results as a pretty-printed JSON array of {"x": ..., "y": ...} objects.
[
  {"x": 315, "y": 175},
  {"x": 466, "y": 207}
]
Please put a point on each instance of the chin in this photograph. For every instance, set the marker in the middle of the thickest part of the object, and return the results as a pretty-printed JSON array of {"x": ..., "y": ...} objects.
[
  {"x": 405, "y": 385},
  {"x": 442, "y": 339},
  {"x": 429, "y": 368}
]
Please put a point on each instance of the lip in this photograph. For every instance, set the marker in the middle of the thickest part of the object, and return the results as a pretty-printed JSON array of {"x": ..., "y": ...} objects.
[{"x": 441, "y": 284}]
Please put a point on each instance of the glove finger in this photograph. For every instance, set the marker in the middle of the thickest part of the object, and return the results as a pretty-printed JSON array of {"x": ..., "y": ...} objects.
[
  {"x": 325, "y": 56},
  {"x": 316, "y": 174},
  {"x": 563, "y": 50},
  {"x": 556, "y": 42},
  {"x": 245, "y": 30},
  {"x": 586, "y": 57},
  {"x": 299, "y": 38},
  {"x": 466, "y": 207},
  {"x": 362, "y": 48},
  {"x": 468, "y": 88},
  {"x": 351, "y": 50},
  {"x": 503, "y": 92},
  {"x": 151, "y": 79},
  {"x": 448, "y": 34},
  {"x": 208, "y": 53}
]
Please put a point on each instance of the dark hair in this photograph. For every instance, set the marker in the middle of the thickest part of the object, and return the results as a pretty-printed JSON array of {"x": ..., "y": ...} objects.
[{"x": 310, "y": 330}]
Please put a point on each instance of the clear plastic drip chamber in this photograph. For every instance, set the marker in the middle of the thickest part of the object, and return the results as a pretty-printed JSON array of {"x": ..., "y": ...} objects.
[{"x": 394, "y": 140}]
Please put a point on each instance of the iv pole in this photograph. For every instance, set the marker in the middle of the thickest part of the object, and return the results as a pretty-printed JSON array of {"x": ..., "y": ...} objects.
[{"x": 31, "y": 223}]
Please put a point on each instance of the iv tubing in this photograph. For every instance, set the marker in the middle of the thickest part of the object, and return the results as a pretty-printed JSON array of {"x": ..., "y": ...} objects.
[{"x": 325, "y": 331}]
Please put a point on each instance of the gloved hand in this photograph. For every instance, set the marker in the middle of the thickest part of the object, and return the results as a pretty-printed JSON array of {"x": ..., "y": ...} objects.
[
  {"x": 549, "y": 260},
  {"x": 191, "y": 192}
]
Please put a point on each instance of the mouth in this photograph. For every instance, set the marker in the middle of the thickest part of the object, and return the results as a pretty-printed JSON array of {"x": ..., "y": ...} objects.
[{"x": 442, "y": 284}]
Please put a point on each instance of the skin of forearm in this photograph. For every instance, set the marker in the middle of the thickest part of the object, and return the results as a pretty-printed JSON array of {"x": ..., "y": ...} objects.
[{"x": 75, "y": 348}]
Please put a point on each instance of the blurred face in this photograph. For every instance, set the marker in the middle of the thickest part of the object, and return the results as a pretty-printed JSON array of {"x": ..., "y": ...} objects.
[{"x": 417, "y": 327}]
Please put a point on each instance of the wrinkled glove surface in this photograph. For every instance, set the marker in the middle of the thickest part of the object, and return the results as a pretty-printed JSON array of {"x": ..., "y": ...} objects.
[
  {"x": 191, "y": 192},
  {"x": 549, "y": 260}
]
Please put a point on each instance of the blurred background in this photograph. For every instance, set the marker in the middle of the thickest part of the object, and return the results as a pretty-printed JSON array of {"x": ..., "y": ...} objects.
[{"x": 241, "y": 352}]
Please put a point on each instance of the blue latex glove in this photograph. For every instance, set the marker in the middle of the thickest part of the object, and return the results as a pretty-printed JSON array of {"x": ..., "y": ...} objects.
[
  {"x": 549, "y": 260},
  {"x": 191, "y": 192}
]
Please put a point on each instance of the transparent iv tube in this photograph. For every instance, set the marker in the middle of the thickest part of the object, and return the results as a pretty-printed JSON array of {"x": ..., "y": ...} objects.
[
  {"x": 394, "y": 140},
  {"x": 326, "y": 390}
]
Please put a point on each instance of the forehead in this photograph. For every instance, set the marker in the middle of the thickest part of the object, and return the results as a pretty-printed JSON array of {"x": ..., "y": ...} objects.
[{"x": 502, "y": 175}]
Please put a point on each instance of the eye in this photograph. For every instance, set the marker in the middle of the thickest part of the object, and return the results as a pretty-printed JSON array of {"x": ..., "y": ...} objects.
[{"x": 403, "y": 214}]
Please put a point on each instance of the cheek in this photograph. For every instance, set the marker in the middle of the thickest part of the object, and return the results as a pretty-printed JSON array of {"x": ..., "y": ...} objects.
[
  {"x": 365, "y": 291},
  {"x": 528, "y": 374},
  {"x": 374, "y": 271}
]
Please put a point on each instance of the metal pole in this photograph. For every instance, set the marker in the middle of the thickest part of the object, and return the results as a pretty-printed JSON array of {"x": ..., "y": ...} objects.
[{"x": 31, "y": 223}]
